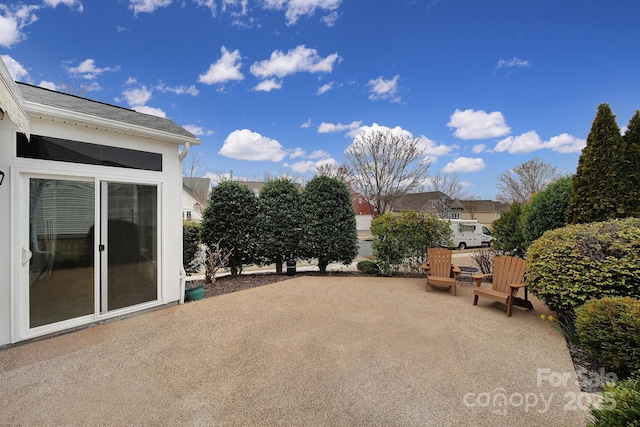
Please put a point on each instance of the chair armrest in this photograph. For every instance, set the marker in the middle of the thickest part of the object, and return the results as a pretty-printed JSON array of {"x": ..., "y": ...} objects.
[
  {"x": 425, "y": 266},
  {"x": 478, "y": 278},
  {"x": 517, "y": 285},
  {"x": 456, "y": 271}
]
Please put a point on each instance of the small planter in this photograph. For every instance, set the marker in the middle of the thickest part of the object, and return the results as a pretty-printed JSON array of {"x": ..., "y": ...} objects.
[{"x": 194, "y": 293}]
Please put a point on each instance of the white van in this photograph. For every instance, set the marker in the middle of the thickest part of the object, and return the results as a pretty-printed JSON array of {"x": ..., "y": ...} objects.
[{"x": 469, "y": 233}]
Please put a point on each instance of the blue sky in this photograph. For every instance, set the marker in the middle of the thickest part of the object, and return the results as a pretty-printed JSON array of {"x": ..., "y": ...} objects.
[{"x": 278, "y": 86}]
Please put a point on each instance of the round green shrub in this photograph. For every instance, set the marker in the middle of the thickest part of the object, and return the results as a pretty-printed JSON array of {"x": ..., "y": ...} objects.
[
  {"x": 368, "y": 267},
  {"x": 609, "y": 329},
  {"x": 620, "y": 406},
  {"x": 571, "y": 265}
]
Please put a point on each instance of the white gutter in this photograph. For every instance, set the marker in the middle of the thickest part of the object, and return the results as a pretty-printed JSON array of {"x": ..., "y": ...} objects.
[{"x": 187, "y": 146}]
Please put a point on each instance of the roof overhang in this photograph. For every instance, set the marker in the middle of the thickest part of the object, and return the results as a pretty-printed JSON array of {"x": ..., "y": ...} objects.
[
  {"x": 11, "y": 101},
  {"x": 62, "y": 115}
]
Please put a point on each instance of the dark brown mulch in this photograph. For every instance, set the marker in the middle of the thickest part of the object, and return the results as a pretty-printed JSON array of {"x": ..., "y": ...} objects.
[
  {"x": 587, "y": 369},
  {"x": 227, "y": 284}
]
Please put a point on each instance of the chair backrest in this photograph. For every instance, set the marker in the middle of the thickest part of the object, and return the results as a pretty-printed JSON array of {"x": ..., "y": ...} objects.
[
  {"x": 439, "y": 262},
  {"x": 507, "y": 270}
]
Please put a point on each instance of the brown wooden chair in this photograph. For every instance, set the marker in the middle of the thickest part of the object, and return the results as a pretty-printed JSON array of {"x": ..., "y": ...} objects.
[
  {"x": 439, "y": 269},
  {"x": 507, "y": 279}
]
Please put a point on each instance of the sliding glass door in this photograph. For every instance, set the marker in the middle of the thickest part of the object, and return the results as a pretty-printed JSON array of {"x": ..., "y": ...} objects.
[
  {"x": 130, "y": 259},
  {"x": 65, "y": 234},
  {"x": 61, "y": 267}
]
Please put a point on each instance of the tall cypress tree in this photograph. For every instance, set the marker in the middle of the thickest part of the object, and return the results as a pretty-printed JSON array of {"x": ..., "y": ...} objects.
[
  {"x": 600, "y": 181},
  {"x": 632, "y": 164}
]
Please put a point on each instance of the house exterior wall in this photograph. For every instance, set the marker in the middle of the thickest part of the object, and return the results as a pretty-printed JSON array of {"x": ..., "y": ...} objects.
[
  {"x": 189, "y": 210},
  {"x": 6, "y": 130},
  {"x": 482, "y": 217},
  {"x": 14, "y": 197}
]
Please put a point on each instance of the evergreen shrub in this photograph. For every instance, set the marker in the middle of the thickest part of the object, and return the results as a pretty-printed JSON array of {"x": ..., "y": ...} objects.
[
  {"x": 620, "y": 407},
  {"x": 609, "y": 329},
  {"x": 569, "y": 266}
]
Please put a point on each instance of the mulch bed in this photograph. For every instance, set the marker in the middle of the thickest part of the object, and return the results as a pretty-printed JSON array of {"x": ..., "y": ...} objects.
[{"x": 587, "y": 369}]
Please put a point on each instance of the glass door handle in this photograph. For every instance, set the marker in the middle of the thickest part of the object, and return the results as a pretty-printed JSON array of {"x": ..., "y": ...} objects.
[{"x": 26, "y": 255}]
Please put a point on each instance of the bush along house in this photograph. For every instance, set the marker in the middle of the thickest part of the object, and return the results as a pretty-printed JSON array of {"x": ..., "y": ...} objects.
[{"x": 90, "y": 211}]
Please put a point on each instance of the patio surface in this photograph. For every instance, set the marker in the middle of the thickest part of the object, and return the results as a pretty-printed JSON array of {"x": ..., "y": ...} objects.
[{"x": 344, "y": 351}]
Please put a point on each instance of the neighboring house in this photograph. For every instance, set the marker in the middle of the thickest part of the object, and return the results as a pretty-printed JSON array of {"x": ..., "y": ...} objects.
[
  {"x": 195, "y": 192},
  {"x": 90, "y": 211},
  {"x": 435, "y": 202},
  {"x": 365, "y": 211},
  {"x": 485, "y": 211}
]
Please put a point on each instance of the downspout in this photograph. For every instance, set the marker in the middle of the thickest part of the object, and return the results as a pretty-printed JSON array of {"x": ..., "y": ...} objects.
[
  {"x": 183, "y": 273},
  {"x": 184, "y": 153}
]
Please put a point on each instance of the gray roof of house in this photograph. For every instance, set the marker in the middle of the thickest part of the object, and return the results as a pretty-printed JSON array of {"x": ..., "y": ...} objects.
[
  {"x": 198, "y": 188},
  {"x": 416, "y": 201},
  {"x": 42, "y": 96}
]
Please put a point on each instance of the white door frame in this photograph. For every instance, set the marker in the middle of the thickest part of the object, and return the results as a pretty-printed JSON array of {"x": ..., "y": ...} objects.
[{"x": 20, "y": 329}]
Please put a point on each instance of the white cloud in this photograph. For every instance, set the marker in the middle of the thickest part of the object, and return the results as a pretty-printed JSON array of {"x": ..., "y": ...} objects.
[
  {"x": 178, "y": 90},
  {"x": 147, "y": 6},
  {"x": 464, "y": 164},
  {"x": 17, "y": 71},
  {"x": 48, "y": 85},
  {"x": 73, "y": 4},
  {"x": 268, "y": 85},
  {"x": 302, "y": 167},
  {"x": 531, "y": 141},
  {"x": 397, "y": 131},
  {"x": 210, "y": 4},
  {"x": 325, "y": 88},
  {"x": 339, "y": 127},
  {"x": 525, "y": 143},
  {"x": 244, "y": 144},
  {"x": 565, "y": 143},
  {"x": 433, "y": 150},
  {"x": 225, "y": 69},
  {"x": 306, "y": 124},
  {"x": 198, "y": 130},
  {"x": 310, "y": 166},
  {"x": 479, "y": 148},
  {"x": 299, "y": 59},
  {"x": 149, "y": 110},
  {"x": 12, "y": 20},
  {"x": 87, "y": 69},
  {"x": 513, "y": 62},
  {"x": 384, "y": 89},
  {"x": 479, "y": 124},
  {"x": 297, "y": 8},
  {"x": 330, "y": 19},
  {"x": 298, "y": 152},
  {"x": 319, "y": 154},
  {"x": 137, "y": 96}
]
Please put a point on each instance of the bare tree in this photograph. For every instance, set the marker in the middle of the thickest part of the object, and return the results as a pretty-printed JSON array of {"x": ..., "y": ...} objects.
[
  {"x": 522, "y": 182},
  {"x": 472, "y": 204},
  {"x": 333, "y": 170},
  {"x": 452, "y": 192},
  {"x": 192, "y": 165},
  {"x": 73, "y": 87},
  {"x": 384, "y": 165}
]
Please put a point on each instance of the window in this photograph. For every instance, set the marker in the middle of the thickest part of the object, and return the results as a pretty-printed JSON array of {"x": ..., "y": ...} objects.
[
  {"x": 188, "y": 214},
  {"x": 64, "y": 150}
]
